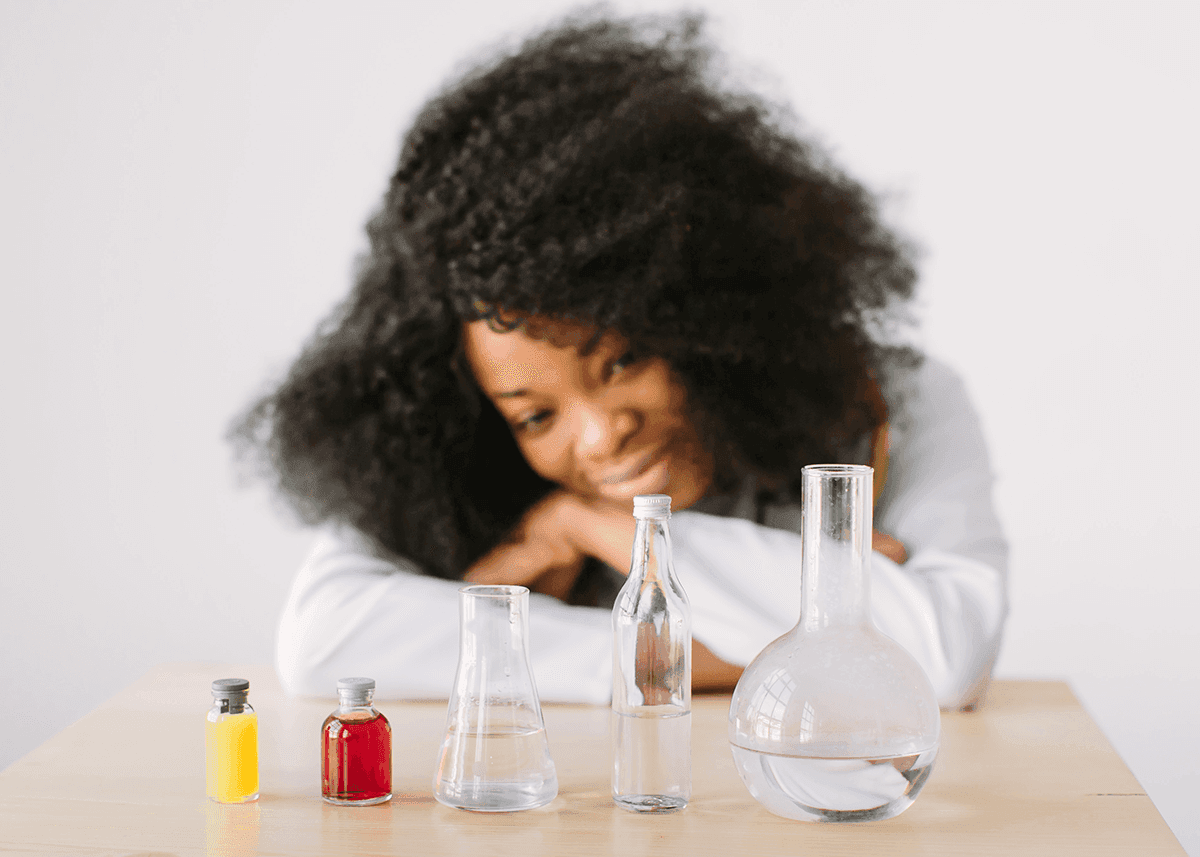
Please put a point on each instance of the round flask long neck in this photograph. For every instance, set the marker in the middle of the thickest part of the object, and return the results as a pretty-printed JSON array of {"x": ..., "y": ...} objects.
[{"x": 836, "y": 532}]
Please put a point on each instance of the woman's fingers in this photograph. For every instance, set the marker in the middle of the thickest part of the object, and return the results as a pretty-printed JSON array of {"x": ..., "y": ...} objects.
[
  {"x": 890, "y": 547},
  {"x": 558, "y": 581},
  {"x": 506, "y": 565}
]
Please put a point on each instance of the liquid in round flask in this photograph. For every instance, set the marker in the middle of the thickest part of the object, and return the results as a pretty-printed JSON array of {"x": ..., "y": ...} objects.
[{"x": 833, "y": 789}]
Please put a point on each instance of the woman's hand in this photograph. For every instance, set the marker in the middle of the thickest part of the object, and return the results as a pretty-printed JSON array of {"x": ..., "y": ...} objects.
[
  {"x": 892, "y": 548},
  {"x": 540, "y": 553},
  {"x": 548, "y": 547}
]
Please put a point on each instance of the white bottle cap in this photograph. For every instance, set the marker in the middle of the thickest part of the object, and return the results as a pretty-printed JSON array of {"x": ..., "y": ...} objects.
[{"x": 652, "y": 506}]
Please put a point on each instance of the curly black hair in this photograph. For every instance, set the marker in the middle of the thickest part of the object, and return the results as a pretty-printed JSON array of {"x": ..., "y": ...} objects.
[{"x": 599, "y": 174}]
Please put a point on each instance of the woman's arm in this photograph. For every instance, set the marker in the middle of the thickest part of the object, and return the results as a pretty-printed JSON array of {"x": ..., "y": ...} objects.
[
  {"x": 950, "y": 599},
  {"x": 352, "y": 611}
]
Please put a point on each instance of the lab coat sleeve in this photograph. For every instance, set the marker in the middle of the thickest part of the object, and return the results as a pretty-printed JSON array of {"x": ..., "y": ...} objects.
[
  {"x": 352, "y": 611},
  {"x": 946, "y": 605}
]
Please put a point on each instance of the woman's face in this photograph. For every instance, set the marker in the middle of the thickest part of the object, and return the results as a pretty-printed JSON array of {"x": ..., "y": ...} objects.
[{"x": 598, "y": 421}]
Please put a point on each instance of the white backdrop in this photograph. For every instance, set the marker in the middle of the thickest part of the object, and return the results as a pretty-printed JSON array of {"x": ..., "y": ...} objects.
[{"x": 182, "y": 192}]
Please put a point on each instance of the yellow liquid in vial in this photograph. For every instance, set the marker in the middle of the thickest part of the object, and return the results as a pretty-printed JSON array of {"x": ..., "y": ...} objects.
[{"x": 232, "y": 757}]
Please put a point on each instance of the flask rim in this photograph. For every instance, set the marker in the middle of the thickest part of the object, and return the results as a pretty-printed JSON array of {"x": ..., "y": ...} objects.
[
  {"x": 837, "y": 469},
  {"x": 483, "y": 590}
]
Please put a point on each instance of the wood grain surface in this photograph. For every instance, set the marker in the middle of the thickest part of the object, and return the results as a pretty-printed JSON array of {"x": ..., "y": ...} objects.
[{"x": 1027, "y": 773}]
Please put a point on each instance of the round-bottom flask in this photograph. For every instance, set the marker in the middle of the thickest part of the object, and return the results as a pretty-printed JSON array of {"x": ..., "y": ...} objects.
[{"x": 834, "y": 721}]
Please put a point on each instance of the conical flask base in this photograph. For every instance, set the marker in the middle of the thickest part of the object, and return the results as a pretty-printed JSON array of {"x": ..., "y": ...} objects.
[{"x": 497, "y": 771}]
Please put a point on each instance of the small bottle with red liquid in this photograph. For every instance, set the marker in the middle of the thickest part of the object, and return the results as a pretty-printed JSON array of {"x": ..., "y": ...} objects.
[{"x": 356, "y": 748}]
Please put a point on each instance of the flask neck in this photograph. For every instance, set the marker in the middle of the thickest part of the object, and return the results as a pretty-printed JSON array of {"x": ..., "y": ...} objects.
[
  {"x": 493, "y": 622},
  {"x": 493, "y": 685},
  {"x": 651, "y": 550},
  {"x": 836, "y": 532}
]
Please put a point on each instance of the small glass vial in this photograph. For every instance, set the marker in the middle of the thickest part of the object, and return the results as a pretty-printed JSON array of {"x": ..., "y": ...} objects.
[
  {"x": 652, "y": 672},
  {"x": 231, "y": 743},
  {"x": 356, "y": 748}
]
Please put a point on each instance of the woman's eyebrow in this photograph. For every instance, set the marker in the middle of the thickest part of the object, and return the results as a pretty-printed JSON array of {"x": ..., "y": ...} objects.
[
  {"x": 510, "y": 394},
  {"x": 586, "y": 349}
]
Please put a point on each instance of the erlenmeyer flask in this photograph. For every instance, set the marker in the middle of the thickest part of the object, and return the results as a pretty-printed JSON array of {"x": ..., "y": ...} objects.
[
  {"x": 495, "y": 757},
  {"x": 835, "y": 721}
]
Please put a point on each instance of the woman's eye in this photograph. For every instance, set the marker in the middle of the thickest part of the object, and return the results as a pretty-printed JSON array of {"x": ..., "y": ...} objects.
[
  {"x": 533, "y": 421},
  {"x": 623, "y": 362}
]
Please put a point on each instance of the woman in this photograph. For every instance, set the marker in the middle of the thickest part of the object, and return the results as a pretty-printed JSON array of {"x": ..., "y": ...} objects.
[{"x": 596, "y": 274}]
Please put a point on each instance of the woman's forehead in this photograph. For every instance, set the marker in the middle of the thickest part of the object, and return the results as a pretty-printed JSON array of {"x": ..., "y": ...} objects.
[
  {"x": 557, "y": 333},
  {"x": 506, "y": 359}
]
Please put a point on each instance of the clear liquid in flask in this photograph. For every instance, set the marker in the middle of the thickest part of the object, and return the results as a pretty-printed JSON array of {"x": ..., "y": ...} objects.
[
  {"x": 809, "y": 788},
  {"x": 498, "y": 771}
]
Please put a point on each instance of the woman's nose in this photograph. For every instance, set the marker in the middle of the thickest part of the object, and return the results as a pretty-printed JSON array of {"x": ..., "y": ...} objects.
[{"x": 604, "y": 432}]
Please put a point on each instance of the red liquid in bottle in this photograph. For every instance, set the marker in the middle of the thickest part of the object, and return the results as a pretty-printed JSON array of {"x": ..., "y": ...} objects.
[{"x": 356, "y": 757}]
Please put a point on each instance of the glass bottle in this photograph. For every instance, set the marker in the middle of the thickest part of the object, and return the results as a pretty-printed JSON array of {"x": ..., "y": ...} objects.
[
  {"x": 834, "y": 721},
  {"x": 356, "y": 748},
  {"x": 495, "y": 757},
  {"x": 652, "y": 675},
  {"x": 231, "y": 743}
]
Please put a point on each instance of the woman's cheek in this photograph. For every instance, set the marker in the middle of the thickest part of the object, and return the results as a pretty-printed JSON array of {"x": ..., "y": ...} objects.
[{"x": 545, "y": 455}]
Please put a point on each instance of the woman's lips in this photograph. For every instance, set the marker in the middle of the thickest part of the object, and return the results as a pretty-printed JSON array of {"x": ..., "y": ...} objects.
[
  {"x": 628, "y": 471},
  {"x": 647, "y": 475}
]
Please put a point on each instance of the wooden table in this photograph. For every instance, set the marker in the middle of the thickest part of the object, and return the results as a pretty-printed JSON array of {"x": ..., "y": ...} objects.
[{"x": 1029, "y": 773}]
